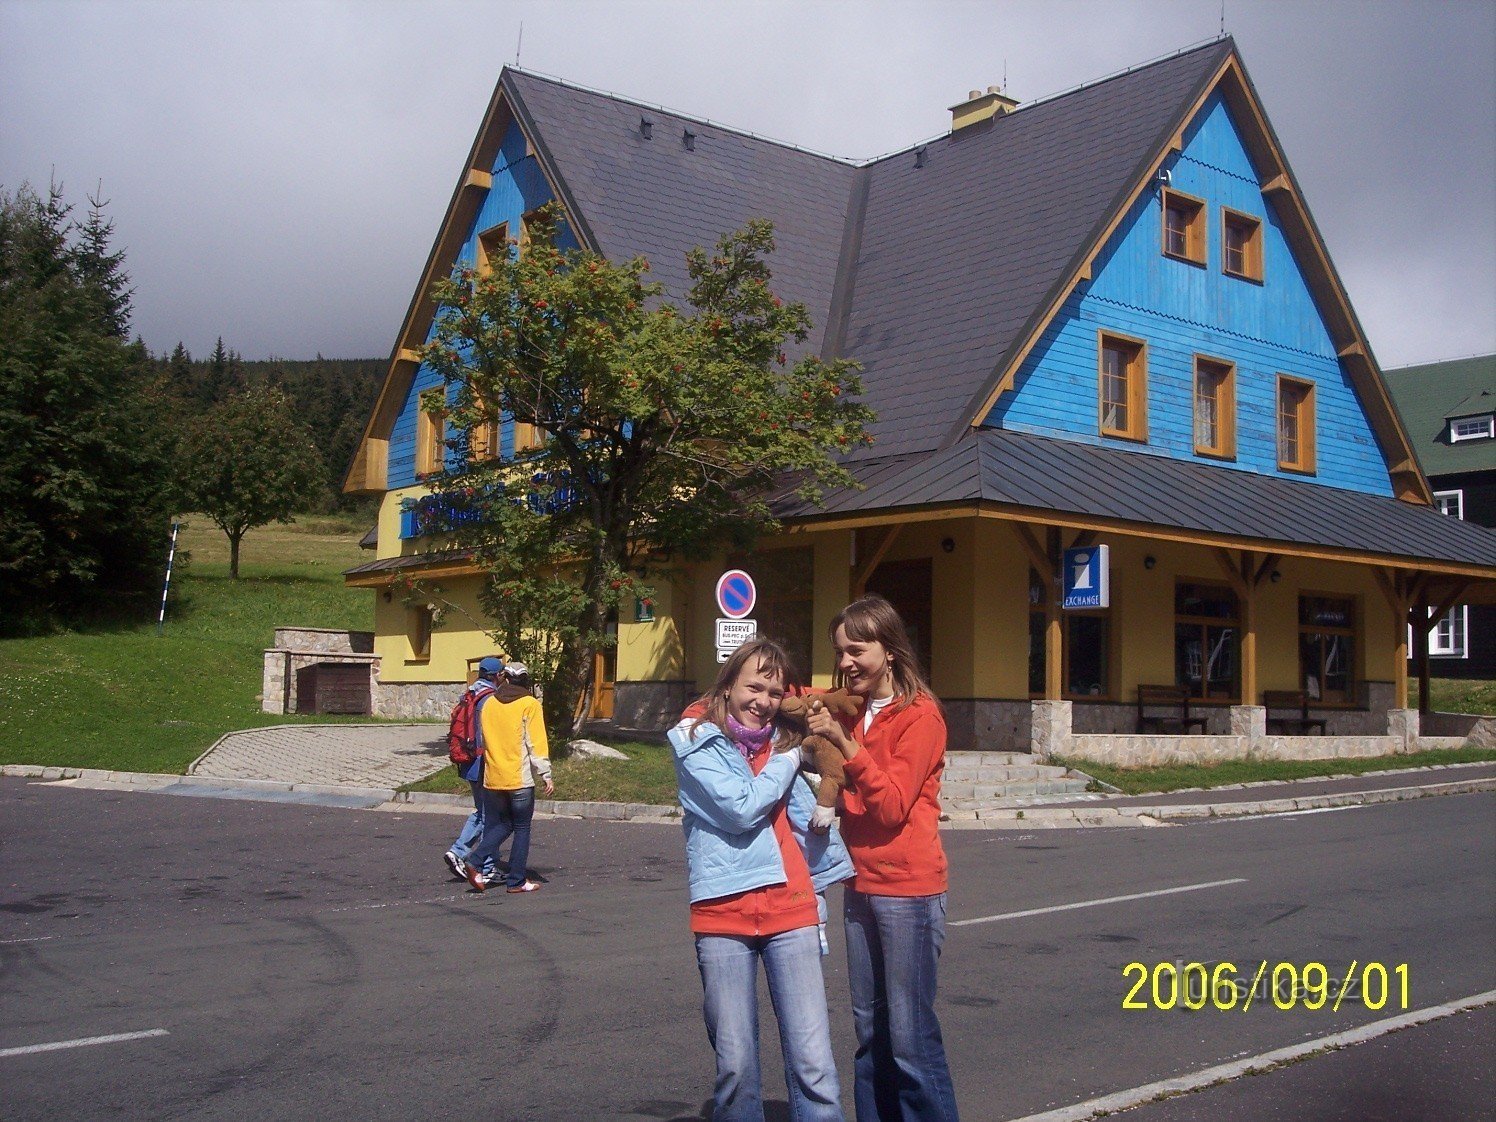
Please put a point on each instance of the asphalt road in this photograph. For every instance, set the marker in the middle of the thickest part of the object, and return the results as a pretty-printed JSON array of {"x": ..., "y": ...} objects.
[{"x": 299, "y": 962}]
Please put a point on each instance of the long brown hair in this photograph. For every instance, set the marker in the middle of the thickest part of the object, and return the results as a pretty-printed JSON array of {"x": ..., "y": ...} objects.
[
  {"x": 773, "y": 660},
  {"x": 874, "y": 619}
]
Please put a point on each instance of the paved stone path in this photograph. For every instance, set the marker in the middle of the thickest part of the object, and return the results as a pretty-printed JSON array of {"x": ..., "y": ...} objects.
[{"x": 350, "y": 755}]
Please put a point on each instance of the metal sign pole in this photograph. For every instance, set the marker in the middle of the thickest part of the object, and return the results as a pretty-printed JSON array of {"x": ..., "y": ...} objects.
[{"x": 165, "y": 588}]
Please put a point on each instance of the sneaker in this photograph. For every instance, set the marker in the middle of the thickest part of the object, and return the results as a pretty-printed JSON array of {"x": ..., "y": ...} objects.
[
  {"x": 475, "y": 878},
  {"x": 454, "y": 863},
  {"x": 528, "y": 886}
]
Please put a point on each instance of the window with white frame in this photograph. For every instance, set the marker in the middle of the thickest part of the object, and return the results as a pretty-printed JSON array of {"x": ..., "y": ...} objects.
[
  {"x": 1471, "y": 428},
  {"x": 1448, "y": 636},
  {"x": 1451, "y": 503}
]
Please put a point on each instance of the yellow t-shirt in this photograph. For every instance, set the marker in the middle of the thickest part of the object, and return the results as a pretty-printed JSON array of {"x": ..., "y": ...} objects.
[{"x": 515, "y": 751}]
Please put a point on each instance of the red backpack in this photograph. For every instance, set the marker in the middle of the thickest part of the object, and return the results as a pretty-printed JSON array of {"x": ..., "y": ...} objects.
[{"x": 462, "y": 730}]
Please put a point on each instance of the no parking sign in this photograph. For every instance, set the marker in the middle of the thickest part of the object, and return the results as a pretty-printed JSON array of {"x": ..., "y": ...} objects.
[{"x": 736, "y": 595}]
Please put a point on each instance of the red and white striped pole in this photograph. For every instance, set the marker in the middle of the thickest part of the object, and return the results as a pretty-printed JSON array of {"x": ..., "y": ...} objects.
[{"x": 165, "y": 588}]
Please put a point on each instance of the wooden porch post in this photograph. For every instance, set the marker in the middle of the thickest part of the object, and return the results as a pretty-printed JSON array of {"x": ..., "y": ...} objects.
[
  {"x": 1395, "y": 591},
  {"x": 1245, "y": 576},
  {"x": 1420, "y": 637},
  {"x": 1046, "y": 562}
]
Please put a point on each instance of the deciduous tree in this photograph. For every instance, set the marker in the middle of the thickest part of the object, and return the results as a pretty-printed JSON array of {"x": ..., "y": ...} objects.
[
  {"x": 661, "y": 428},
  {"x": 247, "y": 463}
]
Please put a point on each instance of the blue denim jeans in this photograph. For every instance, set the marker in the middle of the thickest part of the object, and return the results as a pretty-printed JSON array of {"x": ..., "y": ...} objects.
[
  {"x": 505, "y": 813},
  {"x": 893, "y": 946},
  {"x": 729, "y": 982},
  {"x": 472, "y": 827}
]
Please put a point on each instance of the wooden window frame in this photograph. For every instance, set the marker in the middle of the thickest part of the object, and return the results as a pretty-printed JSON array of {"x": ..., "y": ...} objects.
[
  {"x": 418, "y": 627},
  {"x": 1225, "y": 405},
  {"x": 483, "y": 440},
  {"x": 1251, "y": 269},
  {"x": 1204, "y": 623},
  {"x": 1304, "y": 420},
  {"x": 431, "y": 442},
  {"x": 1351, "y": 631},
  {"x": 1136, "y": 381},
  {"x": 527, "y": 437},
  {"x": 1037, "y": 616},
  {"x": 1196, "y": 237},
  {"x": 526, "y": 220},
  {"x": 488, "y": 244}
]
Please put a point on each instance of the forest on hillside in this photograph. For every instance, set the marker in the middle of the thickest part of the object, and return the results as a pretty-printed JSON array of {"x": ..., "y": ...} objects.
[{"x": 332, "y": 398}]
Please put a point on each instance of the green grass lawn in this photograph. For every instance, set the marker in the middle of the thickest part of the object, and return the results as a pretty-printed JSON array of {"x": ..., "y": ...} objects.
[
  {"x": 1452, "y": 695},
  {"x": 647, "y": 776},
  {"x": 121, "y": 696},
  {"x": 1146, "y": 780}
]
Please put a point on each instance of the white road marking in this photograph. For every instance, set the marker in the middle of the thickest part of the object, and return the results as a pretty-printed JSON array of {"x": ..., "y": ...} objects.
[
  {"x": 33, "y": 939},
  {"x": 59, "y": 1045},
  {"x": 1097, "y": 903},
  {"x": 1123, "y": 1100},
  {"x": 1287, "y": 813}
]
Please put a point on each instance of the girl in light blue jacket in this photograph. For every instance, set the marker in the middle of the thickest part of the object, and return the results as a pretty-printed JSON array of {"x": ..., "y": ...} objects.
[{"x": 755, "y": 873}]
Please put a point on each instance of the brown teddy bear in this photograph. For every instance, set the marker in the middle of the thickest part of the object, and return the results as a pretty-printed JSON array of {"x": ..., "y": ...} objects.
[{"x": 818, "y": 753}]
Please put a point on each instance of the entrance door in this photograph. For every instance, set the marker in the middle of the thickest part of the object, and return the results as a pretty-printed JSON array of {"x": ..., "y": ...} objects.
[
  {"x": 909, "y": 587},
  {"x": 604, "y": 671}
]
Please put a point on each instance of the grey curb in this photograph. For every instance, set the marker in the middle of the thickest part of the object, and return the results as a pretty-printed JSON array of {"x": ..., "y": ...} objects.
[
  {"x": 391, "y": 799},
  {"x": 1004, "y": 818}
]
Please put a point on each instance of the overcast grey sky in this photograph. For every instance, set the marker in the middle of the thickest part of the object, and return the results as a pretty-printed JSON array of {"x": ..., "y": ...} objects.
[{"x": 277, "y": 171}]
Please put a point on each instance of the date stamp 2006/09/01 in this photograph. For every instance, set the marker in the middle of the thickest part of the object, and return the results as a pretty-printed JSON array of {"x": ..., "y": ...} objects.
[{"x": 1283, "y": 985}]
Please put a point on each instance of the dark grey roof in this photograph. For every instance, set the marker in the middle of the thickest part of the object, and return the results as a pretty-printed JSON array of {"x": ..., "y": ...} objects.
[
  {"x": 1044, "y": 474},
  {"x": 928, "y": 276},
  {"x": 656, "y": 199},
  {"x": 371, "y": 539},
  {"x": 959, "y": 257},
  {"x": 409, "y": 561}
]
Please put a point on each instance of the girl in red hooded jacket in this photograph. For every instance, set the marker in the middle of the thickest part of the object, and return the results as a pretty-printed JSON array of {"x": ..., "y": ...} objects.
[{"x": 894, "y": 908}]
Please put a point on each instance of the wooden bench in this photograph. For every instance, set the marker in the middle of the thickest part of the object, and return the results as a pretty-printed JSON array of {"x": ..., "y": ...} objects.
[
  {"x": 1298, "y": 723},
  {"x": 1173, "y": 698}
]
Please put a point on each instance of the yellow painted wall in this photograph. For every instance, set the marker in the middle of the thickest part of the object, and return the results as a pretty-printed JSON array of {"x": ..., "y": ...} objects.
[
  {"x": 452, "y": 644},
  {"x": 390, "y": 544},
  {"x": 979, "y": 614},
  {"x": 652, "y": 652},
  {"x": 833, "y": 590}
]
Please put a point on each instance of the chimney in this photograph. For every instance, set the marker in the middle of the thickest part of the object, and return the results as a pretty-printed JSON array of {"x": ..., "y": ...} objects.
[{"x": 980, "y": 106}]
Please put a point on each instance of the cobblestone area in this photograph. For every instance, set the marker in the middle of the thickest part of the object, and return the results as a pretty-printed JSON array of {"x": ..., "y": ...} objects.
[{"x": 351, "y": 755}]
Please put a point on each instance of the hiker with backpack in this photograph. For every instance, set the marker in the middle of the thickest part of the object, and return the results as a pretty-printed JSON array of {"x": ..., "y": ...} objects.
[
  {"x": 465, "y": 750},
  {"x": 515, "y": 758}
]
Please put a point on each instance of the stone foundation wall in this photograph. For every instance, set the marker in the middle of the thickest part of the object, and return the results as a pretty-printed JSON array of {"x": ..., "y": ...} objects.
[
  {"x": 324, "y": 640},
  {"x": 278, "y": 681},
  {"x": 416, "y": 699},
  {"x": 1477, "y": 731},
  {"x": 1153, "y": 749},
  {"x": 979, "y": 724},
  {"x": 650, "y": 706}
]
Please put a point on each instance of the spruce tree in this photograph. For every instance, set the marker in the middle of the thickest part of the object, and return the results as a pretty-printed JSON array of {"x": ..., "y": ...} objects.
[{"x": 83, "y": 462}]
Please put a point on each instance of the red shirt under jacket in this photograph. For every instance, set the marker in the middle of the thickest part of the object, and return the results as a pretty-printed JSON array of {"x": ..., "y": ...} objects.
[
  {"x": 772, "y": 908},
  {"x": 890, "y": 808}
]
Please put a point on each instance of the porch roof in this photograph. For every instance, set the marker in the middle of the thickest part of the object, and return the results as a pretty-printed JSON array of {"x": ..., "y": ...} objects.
[{"x": 1136, "y": 489}]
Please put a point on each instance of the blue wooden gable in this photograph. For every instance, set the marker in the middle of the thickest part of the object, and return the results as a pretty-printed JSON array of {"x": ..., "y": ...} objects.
[
  {"x": 1181, "y": 310},
  {"x": 518, "y": 187}
]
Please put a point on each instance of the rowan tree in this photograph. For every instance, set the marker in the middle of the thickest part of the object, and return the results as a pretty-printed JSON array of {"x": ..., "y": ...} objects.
[{"x": 663, "y": 428}]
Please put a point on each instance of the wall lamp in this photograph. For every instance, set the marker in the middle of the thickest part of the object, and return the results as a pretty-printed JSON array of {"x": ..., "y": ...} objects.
[
  {"x": 1276, "y": 576},
  {"x": 1150, "y": 561},
  {"x": 948, "y": 544}
]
